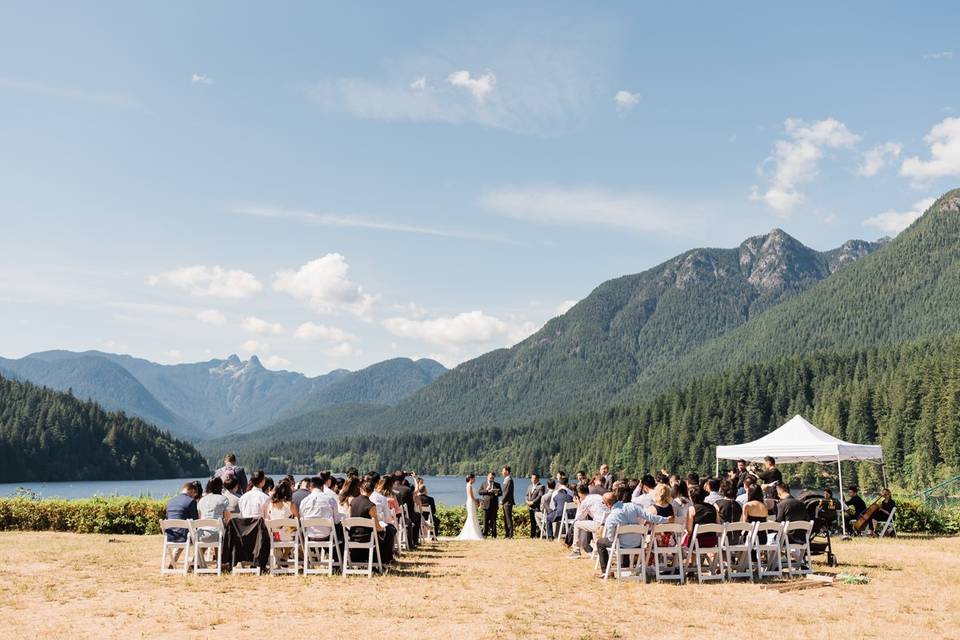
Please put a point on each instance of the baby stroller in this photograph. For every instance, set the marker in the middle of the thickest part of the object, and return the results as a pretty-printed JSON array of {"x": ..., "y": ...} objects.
[{"x": 823, "y": 513}]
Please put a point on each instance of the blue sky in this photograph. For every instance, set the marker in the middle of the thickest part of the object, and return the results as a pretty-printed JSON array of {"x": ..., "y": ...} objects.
[{"x": 327, "y": 185}]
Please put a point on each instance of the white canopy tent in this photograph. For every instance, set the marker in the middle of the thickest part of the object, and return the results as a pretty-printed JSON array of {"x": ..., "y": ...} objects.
[{"x": 799, "y": 441}]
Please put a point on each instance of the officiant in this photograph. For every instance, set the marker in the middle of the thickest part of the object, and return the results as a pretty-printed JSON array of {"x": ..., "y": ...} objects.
[{"x": 490, "y": 494}]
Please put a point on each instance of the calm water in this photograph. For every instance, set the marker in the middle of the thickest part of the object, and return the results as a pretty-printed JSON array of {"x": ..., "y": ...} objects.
[{"x": 446, "y": 490}]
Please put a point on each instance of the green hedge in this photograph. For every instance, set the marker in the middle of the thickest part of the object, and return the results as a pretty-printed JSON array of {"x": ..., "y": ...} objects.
[{"x": 143, "y": 515}]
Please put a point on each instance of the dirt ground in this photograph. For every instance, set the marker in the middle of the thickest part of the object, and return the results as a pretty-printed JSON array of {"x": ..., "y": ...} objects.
[{"x": 56, "y": 585}]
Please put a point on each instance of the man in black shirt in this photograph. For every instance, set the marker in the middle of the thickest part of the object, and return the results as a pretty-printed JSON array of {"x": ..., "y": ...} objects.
[
  {"x": 770, "y": 474},
  {"x": 789, "y": 509},
  {"x": 404, "y": 494},
  {"x": 855, "y": 504}
]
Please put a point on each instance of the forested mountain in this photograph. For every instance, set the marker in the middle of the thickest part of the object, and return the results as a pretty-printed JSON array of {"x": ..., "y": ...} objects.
[
  {"x": 50, "y": 435},
  {"x": 908, "y": 290},
  {"x": 209, "y": 399},
  {"x": 906, "y": 397},
  {"x": 625, "y": 328}
]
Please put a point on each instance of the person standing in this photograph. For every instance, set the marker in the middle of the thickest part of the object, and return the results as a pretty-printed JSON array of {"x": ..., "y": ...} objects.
[
  {"x": 532, "y": 498},
  {"x": 607, "y": 477},
  {"x": 507, "y": 501},
  {"x": 490, "y": 503},
  {"x": 230, "y": 468}
]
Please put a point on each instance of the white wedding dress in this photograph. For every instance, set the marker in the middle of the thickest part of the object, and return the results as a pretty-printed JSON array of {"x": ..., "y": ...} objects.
[{"x": 471, "y": 528}]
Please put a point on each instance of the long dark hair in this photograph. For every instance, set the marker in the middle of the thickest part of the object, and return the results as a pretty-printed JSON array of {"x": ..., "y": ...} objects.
[
  {"x": 350, "y": 489},
  {"x": 215, "y": 485},
  {"x": 471, "y": 476},
  {"x": 256, "y": 479},
  {"x": 283, "y": 493}
]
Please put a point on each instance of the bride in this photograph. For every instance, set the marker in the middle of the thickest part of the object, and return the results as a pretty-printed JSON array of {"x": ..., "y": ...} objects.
[{"x": 471, "y": 528}]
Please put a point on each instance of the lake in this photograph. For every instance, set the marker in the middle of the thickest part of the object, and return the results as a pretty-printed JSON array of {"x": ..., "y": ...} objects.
[{"x": 446, "y": 490}]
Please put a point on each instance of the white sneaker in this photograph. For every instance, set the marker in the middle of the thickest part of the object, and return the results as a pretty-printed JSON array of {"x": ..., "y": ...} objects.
[{"x": 574, "y": 555}]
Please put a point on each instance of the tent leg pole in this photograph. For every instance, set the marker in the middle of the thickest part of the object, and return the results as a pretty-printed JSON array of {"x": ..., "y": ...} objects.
[
  {"x": 843, "y": 520},
  {"x": 716, "y": 468},
  {"x": 883, "y": 471}
]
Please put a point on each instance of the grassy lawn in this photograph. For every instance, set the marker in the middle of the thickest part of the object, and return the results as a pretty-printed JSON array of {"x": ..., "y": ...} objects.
[{"x": 60, "y": 585}]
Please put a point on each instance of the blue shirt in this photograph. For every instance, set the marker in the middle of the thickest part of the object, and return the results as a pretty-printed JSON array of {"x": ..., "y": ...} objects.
[
  {"x": 180, "y": 507},
  {"x": 629, "y": 513}
]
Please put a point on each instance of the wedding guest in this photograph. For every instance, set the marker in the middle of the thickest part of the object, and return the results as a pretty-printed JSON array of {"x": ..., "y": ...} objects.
[
  {"x": 230, "y": 466},
  {"x": 255, "y": 503},
  {"x": 349, "y": 491},
  {"x": 641, "y": 495},
  {"x": 404, "y": 494},
  {"x": 231, "y": 491},
  {"x": 427, "y": 502},
  {"x": 546, "y": 502},
  {"x": 607, "y": 476},
  {"x": 622, "y": 513},
  {"x": 591, "y": 513},
  {"x": 755, "y": 509},
  {"x": 727, "y": 507},
  {"x": 182, "y": 506},
  {"x": 303, "y": 490},
  {"x": 384, "y": 500},
  {"x": 213, "y": 506},
  {"x": 561, "y": 496},
  {"x": 268, "y": 485},
  {"x": 748, "y": 483},
  {"x": 362, "y": 507},
  {"x": 713, "y": 491},
  {"x": 533, "y": 497},
  {"x": 597, "y": 485},
  {"x": 701, "y": 513},
  {"x": 680, "y": 502},
  {"x": 281, "y": 502}
]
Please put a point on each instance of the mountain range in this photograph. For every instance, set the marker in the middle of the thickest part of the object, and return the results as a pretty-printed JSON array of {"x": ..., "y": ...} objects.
[{"x": 209, "y": 399}]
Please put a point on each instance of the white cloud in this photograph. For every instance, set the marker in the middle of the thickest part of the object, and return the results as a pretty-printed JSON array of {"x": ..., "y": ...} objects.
[
  {"x": 419, "y": 84},
  {"x": 201, "y": 79},
  {"x": 939, "y": 55},
  {"x": 565, "y": 306},
  {"x": 275, "y": 362},
  {"x": 343, "y": 350},
  {"x": 479, "y": 87},
  {"x": 323, "y": 285},
  {"x": 261, "y": 327},
  {"x": 795, "y": 160},
  {"x": 944, "y": 141},
  {"x": 893, "y": 222},
  {"x": 254, "y": 347},
  {"x": 584, "y": 206},
  {"x": 312, "y": 332},
  {"x": 215, "y": 281},
  {"x": 626, "y": 100},
  {"x": 471, "y": 327},
  {"x": 174, "y": 356},
  {"x": 116, "y": 100},
  {"x": 876, "y": 158},
  {"x": 212, "y": 316}
]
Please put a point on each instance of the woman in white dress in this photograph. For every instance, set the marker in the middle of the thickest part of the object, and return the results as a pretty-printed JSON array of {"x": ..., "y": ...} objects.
[{"x": 471, "y": 528}]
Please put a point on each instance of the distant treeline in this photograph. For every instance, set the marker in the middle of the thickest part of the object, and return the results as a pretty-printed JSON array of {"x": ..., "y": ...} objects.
[
  {"x": 50, "y": 435},
  {"x": 906, "y": 398}
]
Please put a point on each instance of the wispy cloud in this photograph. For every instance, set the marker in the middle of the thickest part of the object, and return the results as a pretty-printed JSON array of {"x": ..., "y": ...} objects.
[
  {"x": 893, "y": 222},
  {"x": 939, "y": 55},
  {"x": 479, "y": 87},
  {"x": 944, "y": 142},
  {"x": 586, "y": 206},
  {"x": 626, "y": 100},
  {"x": 201, "y": 79},
  {"x": 114, "y": 99},
  {"x": 876, "y": 158},
  {"x": 358, "y": 222}
]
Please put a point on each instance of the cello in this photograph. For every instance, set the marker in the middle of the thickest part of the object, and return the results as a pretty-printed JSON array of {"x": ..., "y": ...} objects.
[{"x": 867, "y": 515}]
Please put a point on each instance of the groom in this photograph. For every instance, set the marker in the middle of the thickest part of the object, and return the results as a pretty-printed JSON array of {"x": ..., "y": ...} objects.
[
  {"x": 490, "y": 503},
  {"x": 507, "y": 501}
]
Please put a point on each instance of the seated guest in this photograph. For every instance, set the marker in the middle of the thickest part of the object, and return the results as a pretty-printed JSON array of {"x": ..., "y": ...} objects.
[
  {"x": 597, "y": 486},
  {"x": 727, "y": 507},
  {"x": 641, "y": 495},
  {"x": 349, "y": 491},
  {"x": 268, "y": 485},
  {"x": 182, "y": 506},
  {"x": 230, "y": 467},
  {"x": 662, "y": 505},
  {"x": 561, "y": 496},
  {"x": 362, "y": 507},
  {"x": 590, "y": 515},
  {"x": 404, "y": 494},
  {"x": 701, "y": 513},
  {"x": 303, "y": 490},
  {"x": 680, "y": 502},
  {"x": 622, "y": 513},
  {"x": 713, "y": 491},
  {"x": 427, "y": 501},
  {"x": 755, "y": 509},
  {"x": 213, "y": 506},
  {"x": 387, "y": 508},
  {"x": 789, "y": 509},
  {"x": 692, "y": 480},
  {"x": 255, "y": 503},
  {"x": 881, "y": 515},
  {"x": 231, "y": 491},
  {"x": 748, "y": 483}
]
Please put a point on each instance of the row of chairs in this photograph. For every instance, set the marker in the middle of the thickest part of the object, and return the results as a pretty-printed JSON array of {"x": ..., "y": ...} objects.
[{"x": 742, "y": 550}]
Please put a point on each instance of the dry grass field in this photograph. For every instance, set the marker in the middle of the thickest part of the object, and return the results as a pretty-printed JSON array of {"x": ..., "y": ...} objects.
[{"x": 57, "y": 585}]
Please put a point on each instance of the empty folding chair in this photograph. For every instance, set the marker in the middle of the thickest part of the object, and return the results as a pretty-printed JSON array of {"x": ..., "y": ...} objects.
[
  {"x": 172, "y": 552},
  {"x": 667, "y": 552},
  {"x": 635, "y": 557},
  {"x": 284, "y": 546},
  {"x": 426, "y": 524},
  {"x": 796, "y": 543},
  {"x": 768, "y": 548},
  {"x": 400, "y": 540},
  {"x": 207, "y": 535},
  {"x": 320, "y": 555},
  {"x": 888, "y": 526},
  {"x": 371, "y": 548},
  {"x": 737, "y": 547},
  {"x": 541, "y": 519},
  {"x": 707, "y": 560}
]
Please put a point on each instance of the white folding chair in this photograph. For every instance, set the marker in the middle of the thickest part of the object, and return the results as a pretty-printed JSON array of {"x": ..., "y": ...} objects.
[
  {"x": 888, "y": 525},
  {"x": 426, "y": 524},
  {"x": 207, "y": 534},
  {"x": 799, "y": 558},
  {"x": 636, "y": 557},
  {"x": 566, "y": 521},
  {"x": 768, "y": 549},
  {"x": 668, "y": 552},
  {"x": 400, "y": 540},
  {"x": 172, "y": 552},
  {"x": 318, "y": 552},
  {"x": 372, "y": 548},
  {"x": 707, "y": 562},
  {"x": 284, "y": 546},
  {"x": 737, "y": 547},
  {"x": 541, "y": 519}
]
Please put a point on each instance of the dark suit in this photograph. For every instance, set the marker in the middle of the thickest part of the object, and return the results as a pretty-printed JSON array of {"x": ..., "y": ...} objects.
[
  {"x": 181, "y": 507},
  {"x": 508, "y": 503},
  {"x": 532, "y": 497},
  {"x": 608, "y": 482},
  {"x": 490, "y": 503},
  {"x": 404, "y": 494},
  {"x": 555, "y": 513}
]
